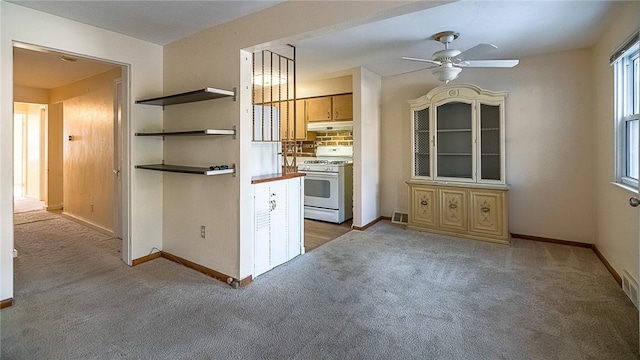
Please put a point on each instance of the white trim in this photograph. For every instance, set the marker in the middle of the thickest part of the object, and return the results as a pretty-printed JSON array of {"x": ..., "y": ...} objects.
[
  {"x": 623, "y": 113},
  {"x": 625, "y": 187}
]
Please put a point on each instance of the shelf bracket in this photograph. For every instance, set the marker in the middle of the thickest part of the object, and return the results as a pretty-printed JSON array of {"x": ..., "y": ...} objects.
[
  {"x": 234, "y": 170},
  {"x": 235, "y": 93},
  {"x": 235, "y": 132}
]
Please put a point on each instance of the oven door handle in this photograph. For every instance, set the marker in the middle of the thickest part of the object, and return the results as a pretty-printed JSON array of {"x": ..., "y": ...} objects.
[{"x": 320, "y": 175}]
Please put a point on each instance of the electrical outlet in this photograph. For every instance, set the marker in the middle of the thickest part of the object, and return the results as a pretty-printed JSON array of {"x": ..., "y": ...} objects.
[{"x": 203, "y": 231}]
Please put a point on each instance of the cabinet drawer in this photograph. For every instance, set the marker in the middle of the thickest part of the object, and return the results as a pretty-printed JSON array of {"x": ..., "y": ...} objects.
[
  {"x": 453, "y": 209},
  {"x": 423, "y": 206},
  {"x": 486, "y": 213}
]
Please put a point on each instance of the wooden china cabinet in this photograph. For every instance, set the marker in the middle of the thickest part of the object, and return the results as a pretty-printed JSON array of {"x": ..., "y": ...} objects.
[{"x": 458, "y": 185}]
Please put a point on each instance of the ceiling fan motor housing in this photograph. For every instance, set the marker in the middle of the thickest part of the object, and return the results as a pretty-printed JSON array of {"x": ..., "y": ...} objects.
[{"x": 445, "y": 56}]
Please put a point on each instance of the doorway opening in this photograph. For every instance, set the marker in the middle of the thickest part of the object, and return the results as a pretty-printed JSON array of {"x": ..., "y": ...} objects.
[
  {"x": 29, "y": 123},
  {"x": 69, "y": 144}
]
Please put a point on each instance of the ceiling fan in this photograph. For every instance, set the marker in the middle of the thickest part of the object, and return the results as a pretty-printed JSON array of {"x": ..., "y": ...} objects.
[{"x": 448, "y": 63}]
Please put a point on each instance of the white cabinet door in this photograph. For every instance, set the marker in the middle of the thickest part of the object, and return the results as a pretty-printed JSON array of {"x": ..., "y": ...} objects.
[
  {"x": 279, "y": 222},
  {"x": 296, "y": 221},
  {"x": 262, "y": 253}
]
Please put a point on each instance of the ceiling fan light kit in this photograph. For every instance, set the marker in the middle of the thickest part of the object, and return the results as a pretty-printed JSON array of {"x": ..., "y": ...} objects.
[
  {"x": 449, "y": 62},
  {"x": 446, "y": 73}
]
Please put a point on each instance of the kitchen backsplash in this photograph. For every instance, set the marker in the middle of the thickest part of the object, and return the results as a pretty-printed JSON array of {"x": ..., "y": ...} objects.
[
  {"x": 331, "y": 138},
  {"x": 325, "y": 138}
]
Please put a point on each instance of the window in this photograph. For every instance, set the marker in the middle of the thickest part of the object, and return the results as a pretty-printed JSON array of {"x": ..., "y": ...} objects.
[{"x": 627, "y": 109}]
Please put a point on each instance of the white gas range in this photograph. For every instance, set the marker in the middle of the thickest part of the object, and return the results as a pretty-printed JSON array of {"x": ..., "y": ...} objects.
[{"x": 328, "y": 184}]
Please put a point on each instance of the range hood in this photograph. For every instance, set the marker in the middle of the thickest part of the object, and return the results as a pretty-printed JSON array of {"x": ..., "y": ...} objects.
[{"x": 330, "y": 125}]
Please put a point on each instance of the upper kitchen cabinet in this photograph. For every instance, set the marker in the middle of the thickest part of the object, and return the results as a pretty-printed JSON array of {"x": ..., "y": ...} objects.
[
  {"x": 330, "y": 108},
  {"x": 458, "y": 133},
  {"x": 287, "y": 129},
  {"x": 319, "y": 108},
  {"x": 342, "y": 107}
]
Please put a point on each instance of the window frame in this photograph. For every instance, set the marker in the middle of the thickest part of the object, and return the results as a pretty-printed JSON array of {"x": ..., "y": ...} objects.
[{"x": 626, "y": 90}]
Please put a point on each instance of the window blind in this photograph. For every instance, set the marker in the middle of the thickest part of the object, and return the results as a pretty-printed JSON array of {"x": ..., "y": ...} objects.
[{"x": 632, "y": 40}]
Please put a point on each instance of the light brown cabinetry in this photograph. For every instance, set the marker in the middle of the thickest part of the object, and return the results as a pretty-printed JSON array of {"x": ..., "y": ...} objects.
[
  {"x": 330, "y": 108},
  {"x": 466, "y": 211},
  {"x": 342, "y": 107},
  {"x": 287, "y": 129},
  {"x": 319, "y": 109}
]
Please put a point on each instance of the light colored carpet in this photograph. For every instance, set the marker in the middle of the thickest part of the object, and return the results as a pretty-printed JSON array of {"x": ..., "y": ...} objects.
[
  {"x": 33, "y": 216},
  {"x": 21, "y": 205},
  {"x": 383, "y": 293}
]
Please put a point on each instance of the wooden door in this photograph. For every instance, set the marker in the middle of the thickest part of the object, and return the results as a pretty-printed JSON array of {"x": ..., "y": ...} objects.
[
  {"x": 300, "y": 119},
  {"x": 319, "y": 109},
  {"x": 287, "y": 131},
  {"x": 343, "y": 107}
]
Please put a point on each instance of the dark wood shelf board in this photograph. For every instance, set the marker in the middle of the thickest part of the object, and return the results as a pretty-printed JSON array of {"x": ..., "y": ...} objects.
[
  {"x": 187, "y": 97},
  {"x": 186, "y": 169},
  {"x": 205, "y": 132}
]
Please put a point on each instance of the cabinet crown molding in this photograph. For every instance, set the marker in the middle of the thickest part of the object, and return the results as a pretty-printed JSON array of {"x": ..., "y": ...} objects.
[{"x": 463, "y": 91}]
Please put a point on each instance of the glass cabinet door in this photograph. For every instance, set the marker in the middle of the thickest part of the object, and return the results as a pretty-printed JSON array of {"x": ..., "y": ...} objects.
[
  {"x": 490, "y": 143},
  {"x": 454, "y": 153},
  {"x": 421, "y": 143}
]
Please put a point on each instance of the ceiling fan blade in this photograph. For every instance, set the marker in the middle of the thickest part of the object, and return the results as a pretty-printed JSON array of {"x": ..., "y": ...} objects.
[
  {"x": 489, "y": 63},
  {"x": 437, "y": 63},
  {"x": 477, "y": 52}
]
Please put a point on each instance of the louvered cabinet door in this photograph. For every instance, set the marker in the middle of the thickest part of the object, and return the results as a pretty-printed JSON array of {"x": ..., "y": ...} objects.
[
  {"x": 279, "y": 222},
  {"x": 262, "y": 226},
  {"x": 453, "y": 209},
  {"x": 487, "y": 212},
  {"x": 423, "y": 206}
]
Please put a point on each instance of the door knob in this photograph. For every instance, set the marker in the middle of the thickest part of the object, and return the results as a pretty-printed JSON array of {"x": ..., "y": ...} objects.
[{"x": 634, "y": 201}]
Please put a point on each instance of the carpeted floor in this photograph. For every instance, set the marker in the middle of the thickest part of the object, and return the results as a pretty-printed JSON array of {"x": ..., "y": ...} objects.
[
  {"x": 21, "y": 205},
  {"x": 383, "y": 293}
]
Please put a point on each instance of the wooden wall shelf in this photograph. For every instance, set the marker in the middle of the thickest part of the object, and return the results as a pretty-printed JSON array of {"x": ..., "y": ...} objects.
[
  {"x": 187, "y": 169},
  {"x": 204, "y": 132},
  {"x": 208, "y": 93}
]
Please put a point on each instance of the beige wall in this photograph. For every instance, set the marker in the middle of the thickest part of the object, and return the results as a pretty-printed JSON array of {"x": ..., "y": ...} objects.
[
  {"x": 88, "y": 183},
  {"x": 616, "y": 222},
  {"x": 366, "y": 146},
  {"x": 30, "y": 95},
  {"x": 330, "y": 86},
  {"x": 54, "y": 159},
  {"x": 224, "y": 203},
  {"x": 549, "y": 139}
]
